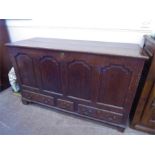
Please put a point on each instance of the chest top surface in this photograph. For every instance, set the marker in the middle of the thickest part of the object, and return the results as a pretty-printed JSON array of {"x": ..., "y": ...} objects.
[{"x": 95, "y": 47}]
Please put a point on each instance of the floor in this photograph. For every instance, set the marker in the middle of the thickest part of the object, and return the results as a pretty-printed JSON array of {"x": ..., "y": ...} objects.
[{"x": 16, "y": 118}]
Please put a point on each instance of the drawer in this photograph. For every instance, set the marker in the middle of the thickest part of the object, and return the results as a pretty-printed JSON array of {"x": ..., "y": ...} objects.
[
  {"x": 100, "y": 114},
  {"x": 67, "y": 105},
  {"x": 48, "y": 100}
]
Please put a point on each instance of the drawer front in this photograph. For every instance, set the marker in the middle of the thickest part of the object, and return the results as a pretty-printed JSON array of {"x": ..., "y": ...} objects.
[
  {"x": 38, "y": 98},
  {"x": 67, "y": 105},
  {"x": 100, "y": 114}
]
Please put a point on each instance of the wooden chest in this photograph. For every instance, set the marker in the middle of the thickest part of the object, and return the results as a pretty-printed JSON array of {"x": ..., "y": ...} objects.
[
  {"x": 95, "y": 80},
  {"x": 144, "y": 115}
]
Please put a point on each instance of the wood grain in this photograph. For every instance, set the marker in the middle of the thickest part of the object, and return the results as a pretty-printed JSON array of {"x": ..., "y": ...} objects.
[{"x": 94, "y": 86}]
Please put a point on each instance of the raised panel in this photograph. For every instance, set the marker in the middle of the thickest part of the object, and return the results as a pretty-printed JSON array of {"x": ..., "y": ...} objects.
[
  {"x": 79, "y": 79},
  {"x": 114, "y": 85},
  {"x": 50, "y": 74},
  {"x": 26, "y": 69}
]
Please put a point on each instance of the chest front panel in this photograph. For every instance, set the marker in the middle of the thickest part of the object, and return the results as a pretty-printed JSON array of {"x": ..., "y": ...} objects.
[{"x": 97, "y": 86}]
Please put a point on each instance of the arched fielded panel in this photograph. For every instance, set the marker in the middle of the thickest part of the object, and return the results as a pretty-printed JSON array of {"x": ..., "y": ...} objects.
[
  {"x": 50, "y": 74},
  {"x": 114, "y": 85},
  {"x": 26, "y": 70},
  {"x": 79, "y": 79}
]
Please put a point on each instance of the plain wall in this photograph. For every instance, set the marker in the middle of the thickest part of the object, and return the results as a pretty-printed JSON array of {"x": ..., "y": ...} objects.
[{"x": 112, "y": 21}]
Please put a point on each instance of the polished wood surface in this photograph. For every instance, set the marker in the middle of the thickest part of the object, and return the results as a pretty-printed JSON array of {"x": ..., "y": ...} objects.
[
  {"x": 5, "y": 63},
  {"x": 144, "y": 115},
  {"x": 97, "y": 86},
  {"x": 96, "y": 47}
]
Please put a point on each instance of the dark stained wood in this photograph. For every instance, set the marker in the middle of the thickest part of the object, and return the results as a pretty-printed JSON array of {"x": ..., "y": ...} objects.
[
  {"x": 108, "y": 77},
  {"x": 25, "y": 62},
  {"x": 63, "y": 104},
  {"x": 39, "y": 98},
  {"x": 5, "y": 63},
  {"x": 98, "y": 85},
  {"x": 96, "y": 47},
  {"x": 144, "y": 116},
  {"x": 79, "y": 79},
  {"x": 100, "y": 114},
  {"x": 50, "y": 77}
]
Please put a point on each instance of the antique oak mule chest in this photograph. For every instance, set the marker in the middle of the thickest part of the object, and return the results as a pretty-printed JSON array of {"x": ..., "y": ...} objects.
[{"x": 95, "y": 80}]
